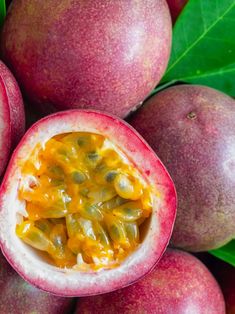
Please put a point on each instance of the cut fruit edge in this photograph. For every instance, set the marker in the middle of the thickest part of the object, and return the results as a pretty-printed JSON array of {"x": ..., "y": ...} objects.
[
  {"x": 12, "y": 117},
  {"x": 69, "y": 282},
  {"x": 5, "y": 126},
  {"x": 15, "y": 104}
]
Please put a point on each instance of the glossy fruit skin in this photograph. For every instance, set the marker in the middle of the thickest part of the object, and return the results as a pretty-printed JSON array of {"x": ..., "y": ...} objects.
[
  {"x": 12, "y": 119},
  {"x": 180, "y": 284},
  {"x": 105, "y": 55},
  {"x": 18, "y": 297},
  {"x": 176, "y": 6},
  {"x": 192, "y": 129},
  {"x": 145, "y": 257}
]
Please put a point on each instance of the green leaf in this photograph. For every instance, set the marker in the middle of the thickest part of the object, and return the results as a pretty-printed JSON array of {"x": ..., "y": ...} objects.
[
  {"x": 2, "y": 11},
  {"x": 203, "y": 50},
  {"x": 226, "y": 253}
]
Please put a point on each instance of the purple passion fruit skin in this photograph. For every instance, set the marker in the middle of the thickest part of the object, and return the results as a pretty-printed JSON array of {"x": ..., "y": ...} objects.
[
  {"x": 180, "y": 283},
  {"x": 87, "y": 54},
  {"x": 12, "y": 117},
  {"x": 17, "y": 296},
  {"x": 192, "y": 129}
]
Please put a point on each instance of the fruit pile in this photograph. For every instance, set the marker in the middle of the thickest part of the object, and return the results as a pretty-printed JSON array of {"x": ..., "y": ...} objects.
[{"x": 91, "y": 212}]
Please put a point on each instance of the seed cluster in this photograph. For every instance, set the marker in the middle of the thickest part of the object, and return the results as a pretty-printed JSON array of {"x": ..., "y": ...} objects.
[{"x": 85, "y": 202}]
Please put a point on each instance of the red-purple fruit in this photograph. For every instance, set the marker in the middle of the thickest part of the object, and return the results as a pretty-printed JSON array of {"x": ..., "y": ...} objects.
[
  {"x": 192, "y": 129},
  {"x": 176, "y": 6},
  {"x": 179, "y": 284},
  {"x": 86, "y": 207},
  {"x": 105, "y": 55},
  {"x": 12, "y": 118},
  {"x": 17, "y": 296}
]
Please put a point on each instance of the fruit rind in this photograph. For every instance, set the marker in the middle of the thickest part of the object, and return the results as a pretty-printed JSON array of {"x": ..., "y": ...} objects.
[
  {"x": 180, "y": 283},
  {"x": 15, "y": 101},
  {"x": 12, "y": 114},
  {"x": 67, "y": 282}
]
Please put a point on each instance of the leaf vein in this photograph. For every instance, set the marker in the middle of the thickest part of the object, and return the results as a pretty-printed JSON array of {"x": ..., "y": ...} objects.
[
  {"x": 220, "y": 71},
  {"x": 201, "y": 36}
]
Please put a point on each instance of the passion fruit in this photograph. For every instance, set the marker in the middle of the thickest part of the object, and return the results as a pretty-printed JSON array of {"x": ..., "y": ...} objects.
[
  {"x": 192, "y": 129},
  {"x": 107, "y": 55},
  {"x": 86, "y": 205},
  {"x": 17, "y": 296},
  {"x": 180, "y": 283},
  {"x": 12, "y": 117}
]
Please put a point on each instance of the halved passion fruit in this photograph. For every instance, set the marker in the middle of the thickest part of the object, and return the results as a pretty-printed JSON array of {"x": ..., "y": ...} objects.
[{"x": 86, "y": 205}]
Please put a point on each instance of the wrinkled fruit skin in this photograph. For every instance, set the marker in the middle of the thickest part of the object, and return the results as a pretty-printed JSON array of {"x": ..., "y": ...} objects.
[
  {"x": 192, "y": 129},
  {"x": 12, "y": 117},
  {"x": 156, "y": 237},
  {"x": 87, "y": 54},
  {"x": 179, "y": 284},
  {"x": 176, "y": 6},
  {"x": 17, "y": 296}
]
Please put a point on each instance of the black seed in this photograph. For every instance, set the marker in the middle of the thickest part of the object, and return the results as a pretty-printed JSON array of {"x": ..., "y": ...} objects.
[
  {"x": 78, "y": 177},
  {"x": 93, "y": 156},
  {"x": 82, "y": 141},
  {"x": 110, "y": 176}
]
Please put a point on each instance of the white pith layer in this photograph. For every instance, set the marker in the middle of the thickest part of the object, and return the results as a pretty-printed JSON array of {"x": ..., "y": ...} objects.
[{"x": 4, "y": 129}]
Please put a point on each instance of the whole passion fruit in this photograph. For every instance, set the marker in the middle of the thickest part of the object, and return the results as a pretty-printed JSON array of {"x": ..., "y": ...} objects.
[
  {"x": 192, "y": 129},
  {"x": 17, "y": 296},
  {"x": 86, "y": 205},
  {"x": 12, "y": 117},
  {"x": 180, "y": 284},
  {"x": 105, "y": 55}
]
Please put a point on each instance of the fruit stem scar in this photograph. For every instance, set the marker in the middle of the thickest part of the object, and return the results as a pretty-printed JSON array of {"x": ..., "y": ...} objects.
[{"x": 192, "y": 115}]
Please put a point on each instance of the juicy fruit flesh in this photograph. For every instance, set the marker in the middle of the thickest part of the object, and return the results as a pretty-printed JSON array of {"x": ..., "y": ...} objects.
[{"x": 85, "y": 202}]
